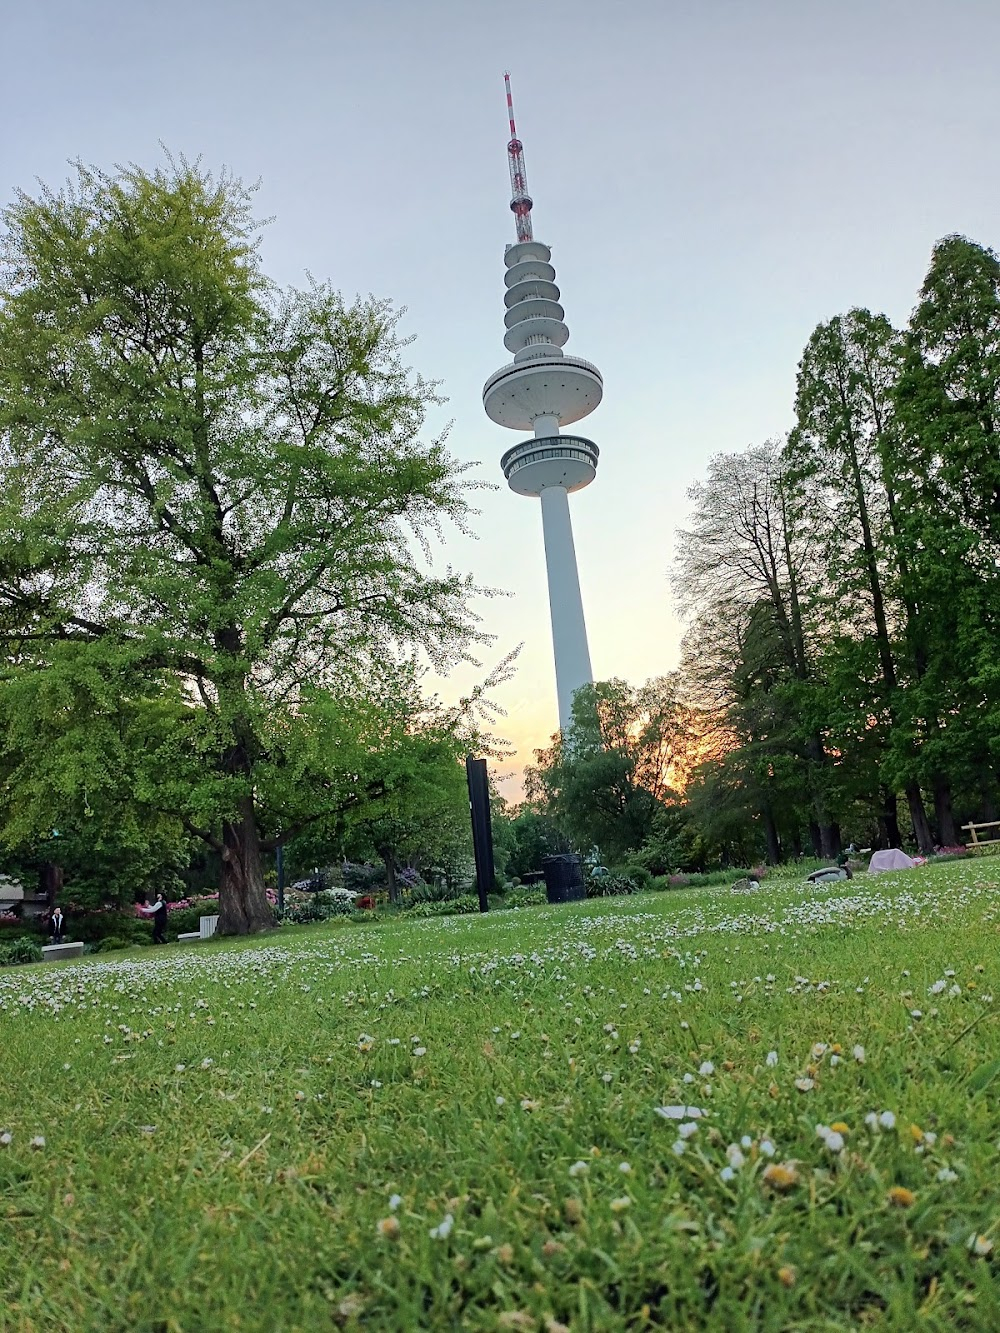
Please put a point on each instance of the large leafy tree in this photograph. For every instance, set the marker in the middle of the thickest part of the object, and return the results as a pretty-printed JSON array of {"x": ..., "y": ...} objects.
[
  {"x": 948, "y": 410},
  {"x": 840, "y": 464},
  {"x": 523, "y": 838},
  {"x": 77, "y": 751},
  {"x": 745, "y": 577},
  {"x": 221, "y": 485},
  {"x": 609, "y": 779}
]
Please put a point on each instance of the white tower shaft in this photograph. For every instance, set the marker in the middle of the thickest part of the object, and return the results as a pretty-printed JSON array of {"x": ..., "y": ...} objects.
[
  {"x": 542, "y": 390},
  {"x": 569, "y": 628}
]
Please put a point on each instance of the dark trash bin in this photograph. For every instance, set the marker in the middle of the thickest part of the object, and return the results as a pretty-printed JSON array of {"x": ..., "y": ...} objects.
[{"x": 563, "y": 878}]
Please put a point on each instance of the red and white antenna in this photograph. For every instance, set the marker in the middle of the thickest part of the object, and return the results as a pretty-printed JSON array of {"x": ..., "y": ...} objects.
[{"x": 520, "y": 199}]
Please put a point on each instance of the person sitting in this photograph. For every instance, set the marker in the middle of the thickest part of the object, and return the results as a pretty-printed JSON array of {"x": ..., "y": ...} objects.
[{"x": 57, "y": 925}]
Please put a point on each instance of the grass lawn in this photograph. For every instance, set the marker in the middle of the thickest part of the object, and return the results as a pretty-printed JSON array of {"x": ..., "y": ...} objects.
[{"x": 687, "y": 1110}]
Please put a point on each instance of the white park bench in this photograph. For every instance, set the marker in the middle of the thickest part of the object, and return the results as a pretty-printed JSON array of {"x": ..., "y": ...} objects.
[
  {"x": 205, "y": 931},
  {"x": 51, "y": 953}
]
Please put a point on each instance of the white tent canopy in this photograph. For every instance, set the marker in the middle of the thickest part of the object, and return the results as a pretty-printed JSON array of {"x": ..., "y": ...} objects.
[{"x": 893, "y": 859}]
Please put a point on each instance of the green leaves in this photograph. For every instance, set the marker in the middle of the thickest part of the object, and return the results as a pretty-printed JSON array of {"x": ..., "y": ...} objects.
[
  {"x": 212, "y": 492},
  {"x": 980, "y": 1079},
  {"x": 608, "y": 781}
]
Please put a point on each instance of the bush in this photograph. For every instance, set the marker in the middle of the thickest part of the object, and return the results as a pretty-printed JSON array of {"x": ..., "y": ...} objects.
[
  {"x": 337, "y": 902},
  {"x": 324, "y": 906},
  {"x": 428, "y": 893},
  {"x": 110, "y": 942},
  {"x": 23, "y": 950},
  {"x": 93, "y": 926},
  {"x": 640, "y": 874},
  {"x": 302, "y": 914},
  {"x": 611, "y": 886},
  {"x": 707, "y": 879},
  {"x": 362, "y": 878},
  {"x": 450, "y": 907},
  {"x": 14, "y": 930},
  {"x": 526, "y": 896}
]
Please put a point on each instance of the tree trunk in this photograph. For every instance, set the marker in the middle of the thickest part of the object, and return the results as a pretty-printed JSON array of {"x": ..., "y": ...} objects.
[
  {"x": 771, "y": 834},
  {"x": 889, "y": 818},
  {"x": 815, "y": 838},
  {"x": 829, "y": 835},
  {"x": 389, "y": 862},
  {"x": 918, "y": 815},
  {"x": 243, "y": 905},
  {"x": 50, "y": 882},
  {"x": 988, "y": 788},
  {"x": 947, "y": 832}
]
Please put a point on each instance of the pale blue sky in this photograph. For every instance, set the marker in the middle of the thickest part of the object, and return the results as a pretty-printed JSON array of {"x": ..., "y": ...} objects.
[{"x": 714, "y": 177}]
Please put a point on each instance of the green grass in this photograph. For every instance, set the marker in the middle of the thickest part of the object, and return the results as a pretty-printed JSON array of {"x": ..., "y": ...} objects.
[{"x": 225, "y": 1125}]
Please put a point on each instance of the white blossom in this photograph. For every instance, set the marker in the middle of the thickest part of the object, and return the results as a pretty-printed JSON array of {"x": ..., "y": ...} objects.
[{"x": 443, "y": 1229}]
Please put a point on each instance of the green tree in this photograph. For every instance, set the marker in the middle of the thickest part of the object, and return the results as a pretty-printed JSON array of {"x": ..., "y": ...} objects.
[
  {"x": 948, "y": 410},
  {"x": 76, "y": 744},
  {"x": 607, "y": 780},
  {"x": 220, "y": 484},
  {"x": 840, "y": 462},
  {"x": 744, "y": 567},
  {"x": 525, "y": 839},
  {"x": 421, "y": 818}
]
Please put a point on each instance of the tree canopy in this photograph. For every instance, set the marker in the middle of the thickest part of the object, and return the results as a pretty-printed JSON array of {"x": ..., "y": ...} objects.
[
  {"x": 217, "y": 518},
  {"x": 839, "y": 587}
]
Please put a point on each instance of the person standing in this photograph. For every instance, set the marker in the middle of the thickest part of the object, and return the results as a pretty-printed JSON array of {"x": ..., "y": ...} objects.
[
  {"x": 159, "y": 914},
  {"x": 57, "y": 925}
]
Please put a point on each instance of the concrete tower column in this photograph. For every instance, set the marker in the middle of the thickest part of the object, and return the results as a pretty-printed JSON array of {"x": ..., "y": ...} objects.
[{"x": 569, "y": 629}]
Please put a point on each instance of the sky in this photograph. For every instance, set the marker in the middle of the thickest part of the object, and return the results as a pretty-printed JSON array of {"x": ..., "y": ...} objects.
[{"x": 714, "y": 177}]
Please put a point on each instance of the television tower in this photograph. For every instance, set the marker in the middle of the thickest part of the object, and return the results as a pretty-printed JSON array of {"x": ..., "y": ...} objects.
[{"x": 541, "y": 390}]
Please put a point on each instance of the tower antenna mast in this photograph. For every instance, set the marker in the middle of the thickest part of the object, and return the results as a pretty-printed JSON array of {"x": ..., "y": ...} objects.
[{"x": 520, "y": 199}]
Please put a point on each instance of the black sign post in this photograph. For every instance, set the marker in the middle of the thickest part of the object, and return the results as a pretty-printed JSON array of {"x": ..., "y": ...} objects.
[{"x": 482, "y": 832}]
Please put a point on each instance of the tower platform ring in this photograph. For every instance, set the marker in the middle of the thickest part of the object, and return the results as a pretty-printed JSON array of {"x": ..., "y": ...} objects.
[
  {"x": 534, "y": 307},
  {"x": 569, "y": 461},
  {"x": 529, "y": 268},
  {"x": 538, "y": 329},
  {"x": 515, "y": 254},
  {"x": 530, "y": 289},
  {"x": 567, "y": 388}
]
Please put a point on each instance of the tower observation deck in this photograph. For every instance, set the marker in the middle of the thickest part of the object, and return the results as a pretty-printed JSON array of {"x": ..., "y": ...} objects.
[{"x": 541, "y": 391}]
